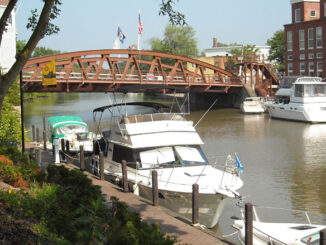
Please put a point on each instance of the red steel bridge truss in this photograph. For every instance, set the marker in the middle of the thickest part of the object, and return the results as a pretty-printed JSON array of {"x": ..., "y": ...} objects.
[{"x": 109, "y": 70}]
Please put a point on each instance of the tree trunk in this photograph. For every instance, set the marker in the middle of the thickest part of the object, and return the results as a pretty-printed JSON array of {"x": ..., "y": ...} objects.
[{"x": 7, "y": 80}]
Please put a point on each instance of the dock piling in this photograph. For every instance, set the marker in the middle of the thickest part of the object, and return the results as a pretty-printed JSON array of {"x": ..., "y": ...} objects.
[
  {"x": 82, "y": 158},
  {"x": 248, "y": 224},
  {"x": 44, "y": 140},
  {"x": 38, "y": 157},
  {"x": 101, "y": 166},
  {"x": 195, "y": 203},
  {"x": 322, "y": 237},
  {"x": 155, "y": 188},
  {"x": 37, "y": 135},
  {"x": 124, "y": 176},
  {"x": 33, "y": 133}
]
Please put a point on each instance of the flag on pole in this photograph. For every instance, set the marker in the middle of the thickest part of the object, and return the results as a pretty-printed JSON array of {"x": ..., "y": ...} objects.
[
  {"x": 121, "y": 36},
  {"x": 140, "y": 26},
  {"x": 49, "y": 74},
  {"x": 239, "y": 164}
]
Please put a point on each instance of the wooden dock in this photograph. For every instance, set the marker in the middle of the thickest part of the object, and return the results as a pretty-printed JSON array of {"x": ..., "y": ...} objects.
[{"x": 171, "y": 224}]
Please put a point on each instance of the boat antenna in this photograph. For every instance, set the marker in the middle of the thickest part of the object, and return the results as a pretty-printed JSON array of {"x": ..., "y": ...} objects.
[{"x": 205, "y": 113}]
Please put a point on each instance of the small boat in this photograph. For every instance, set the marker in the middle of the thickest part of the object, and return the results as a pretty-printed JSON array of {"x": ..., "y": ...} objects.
[
  {"x": 73, "y": 130},
  {"x": 168, "y": 143},
  {"x": 303, "y": 99},
  {"x": 252, "y": 105},
  {"x": 265, "y": 233}
]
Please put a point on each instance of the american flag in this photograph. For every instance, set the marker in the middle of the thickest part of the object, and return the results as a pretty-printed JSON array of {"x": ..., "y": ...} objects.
[{"x": 140, "y": 26}]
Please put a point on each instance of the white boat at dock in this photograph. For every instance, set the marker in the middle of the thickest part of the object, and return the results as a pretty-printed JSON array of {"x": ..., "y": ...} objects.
[
  {"x": 304, "y": 101},
  {"x": 281, "y": 233},
  {"x": 168, "y": 143},
  {"x": 73, "y": 130},
  {"x": 252, "y": 105}
]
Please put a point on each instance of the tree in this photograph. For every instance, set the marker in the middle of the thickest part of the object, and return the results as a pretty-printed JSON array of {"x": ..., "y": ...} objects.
[
  {"x": 41, "y": 26},
  {"x": 178, "y": 40},
  {"x": 276, "y": 53}
]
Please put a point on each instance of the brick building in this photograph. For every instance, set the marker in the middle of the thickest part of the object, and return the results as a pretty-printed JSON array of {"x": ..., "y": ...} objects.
[{"x": 305, "y": 39}]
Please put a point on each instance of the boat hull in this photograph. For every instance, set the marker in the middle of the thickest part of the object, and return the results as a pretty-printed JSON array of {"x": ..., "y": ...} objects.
[{"x": 297, "y": 113}]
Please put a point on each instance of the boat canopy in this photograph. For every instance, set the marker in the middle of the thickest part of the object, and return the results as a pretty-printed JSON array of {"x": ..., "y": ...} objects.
[
  {"x": 156, "y": 106},
  {"x": 65, "y": 125},
  {"x": 147, "y": 87},
  {"x": 283, "y": 92}
]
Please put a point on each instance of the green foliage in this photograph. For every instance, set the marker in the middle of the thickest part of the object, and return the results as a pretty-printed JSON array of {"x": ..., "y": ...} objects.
[
  {"x": 10, "y": 128},
  {"x": 177, "y": 40},
  {"x": 276, "y": 53},
  {"x": 20, "y": 44},
  {"x": 43, "y": 51},
  {"x": 247, "y": 51},
  {"x": 175, "y": 17}
]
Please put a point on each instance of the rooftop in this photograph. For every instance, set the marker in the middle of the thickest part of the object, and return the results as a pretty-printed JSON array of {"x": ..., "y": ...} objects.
[
  {"x": 4, "y": 2},
  {"x": 299, "y": 1}
]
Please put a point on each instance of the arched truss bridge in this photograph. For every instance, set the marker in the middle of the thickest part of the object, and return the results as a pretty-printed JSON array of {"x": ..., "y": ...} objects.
[{"x": 109, "y": 70}]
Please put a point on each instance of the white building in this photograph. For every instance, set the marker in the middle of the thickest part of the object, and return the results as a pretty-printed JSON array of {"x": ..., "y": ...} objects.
[
  {"x": 263, "y": 51},
  {"x": 8, "y": 43}
]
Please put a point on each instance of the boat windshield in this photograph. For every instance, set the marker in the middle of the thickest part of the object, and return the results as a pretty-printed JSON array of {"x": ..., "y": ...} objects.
[
  {"x": 312, "y": 239},
  {"x": 177, "y": 156},
  {"x": 310, "y": 90}
]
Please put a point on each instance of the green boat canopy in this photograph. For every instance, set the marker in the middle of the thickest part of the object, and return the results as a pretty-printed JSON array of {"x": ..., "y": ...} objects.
[{"x": 64, "y": 125}]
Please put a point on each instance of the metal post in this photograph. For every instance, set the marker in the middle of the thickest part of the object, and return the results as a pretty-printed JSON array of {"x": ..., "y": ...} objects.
[
  {"x": 154, "y": 188},
  {"x": 37, "y": 135},
  {"x": 44, "y": 140},
  {"x": 124, "y": 176},
  {"x": 22, "y": 110},
  {"x": 44, "y": 123},
  {"x": 322, "y": 237},
  {"x": 248, "y": 224},
  {"x": 101, "y": 166},
  {"x": 33, "y": 132},
  {"x": 195, "y": 203},
  {"x": 55, "y": 143},
  {"x": 82, "y": 158}
]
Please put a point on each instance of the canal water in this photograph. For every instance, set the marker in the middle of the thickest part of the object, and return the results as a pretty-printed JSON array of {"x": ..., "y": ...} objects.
[{"x": 284, "y": 162}]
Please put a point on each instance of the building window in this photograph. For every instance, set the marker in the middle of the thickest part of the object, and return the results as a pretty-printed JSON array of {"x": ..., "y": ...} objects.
[
  {"x": 320, "y": 69},
  {"x": 302, "y": 57},
  {"x": 290, "y": 57},
  {"x": 319, "y": 36},
  {"x": 289, "y": 41},
  {"x": 290, "y": 68},
  {"x": 311, "y": 56},
  {"x": 325, "y": 9},
  {"x": 319, "y": 55},
  {"x": 311, "y": 38},
  {"x": 301, "y": 39},
  {"x": 297, "y": 15},
  {"x": 9, "y": 21},
  {"x": 313, "y": 13},
  {"x": 311, "y": 69},
  {"x": 302, "y": 68}
]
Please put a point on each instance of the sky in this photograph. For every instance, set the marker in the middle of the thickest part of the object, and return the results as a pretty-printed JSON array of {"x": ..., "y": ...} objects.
[{"x": 93, "y": 24}]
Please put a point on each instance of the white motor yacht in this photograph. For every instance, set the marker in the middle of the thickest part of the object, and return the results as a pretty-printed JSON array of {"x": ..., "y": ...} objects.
[
  {"x": 304, "y": 101},
  {"x": 168, "y": 143}
]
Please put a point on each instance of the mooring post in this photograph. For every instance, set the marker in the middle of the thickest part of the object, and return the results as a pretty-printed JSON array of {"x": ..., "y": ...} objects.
[
  {"x": 248, "y": 224},
  {"x": 195, "y": 203},
  {"x": 55, "y": 143},
  {"x": 124, "y": 176},
  {"x": 44, "y": 140},
  {"x": 82, "y": 158},
  {"x": 63, "y": 156},
  {"x": 67, "y": 146},
  {"x": 33, "y": 133},
  {"x": 38, "y": 135},
  {"x": 101, "y": 166},
  {"x": 44, "y": 122},
  {"x": 38, "y": 157},
  {"x": 154, "y": 188},
  {"x": 322, "y": 237}
]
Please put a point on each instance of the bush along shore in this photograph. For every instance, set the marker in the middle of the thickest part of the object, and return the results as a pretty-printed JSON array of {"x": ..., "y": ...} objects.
[{"x": 62, "y": 206}]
